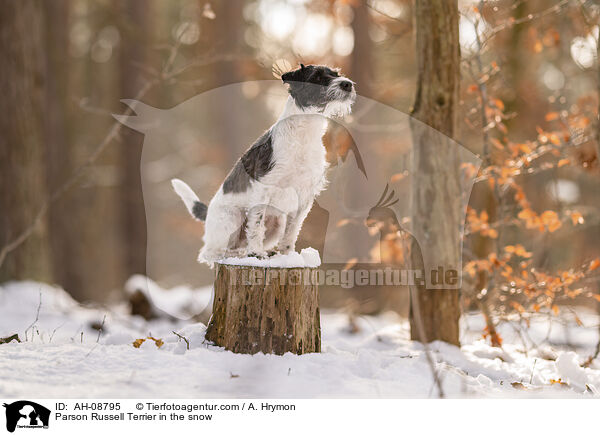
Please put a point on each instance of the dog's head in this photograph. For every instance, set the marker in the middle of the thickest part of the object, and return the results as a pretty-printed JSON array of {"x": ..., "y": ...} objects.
[{"x": 319, "y": 89}]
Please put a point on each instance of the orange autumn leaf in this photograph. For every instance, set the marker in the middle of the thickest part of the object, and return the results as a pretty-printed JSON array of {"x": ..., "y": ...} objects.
[
  {"x": 499, "y": 104},
  {"x": 397, "y": 177},
  {"x": 550, "y": 220},
  {"x": 563, "y": 162},
  {"x": 551, "y": 116},
  {"x": 554, "y": 138},
  {"x": 518, "y": 250},
  {"x": 576, "y": 217},
  {"x": 594, "y": 265},
  {"x": 555, "y": 310},
  {"x": 491, "y": 233},
  {"x": 525, "y": 148},
  {"x": 526, "y": 214},
  {"x": 497, "y": 143},
  {"x": 517, "y": 306}
]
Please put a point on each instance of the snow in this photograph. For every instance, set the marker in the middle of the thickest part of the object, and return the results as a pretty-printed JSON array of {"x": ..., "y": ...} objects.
[
  {"x": 180, "y": 302},
  {"x": 570, "y": 371},
  {"x": 64, "y": 357},
  {"x": 308, "y": 257}
]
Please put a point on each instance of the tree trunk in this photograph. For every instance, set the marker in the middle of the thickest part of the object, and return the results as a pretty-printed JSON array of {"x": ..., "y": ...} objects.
[
  {"x": 131, "y": 201},
  {"x": 267, "y": 310},
  {"x": 434, "y": 314},
  {"x": 64, "y": 237},
  {"x": 598, "y": 96},
  {"x": 361, "y": 61},
  {"x": 22, "y": 175}
]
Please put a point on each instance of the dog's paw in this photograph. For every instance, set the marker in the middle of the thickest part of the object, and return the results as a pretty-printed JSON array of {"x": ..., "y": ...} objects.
[{"x": 284, "y": 250}]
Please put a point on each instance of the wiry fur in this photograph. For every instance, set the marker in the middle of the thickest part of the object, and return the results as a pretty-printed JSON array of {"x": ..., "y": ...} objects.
[{"x": 262, "y": 210}]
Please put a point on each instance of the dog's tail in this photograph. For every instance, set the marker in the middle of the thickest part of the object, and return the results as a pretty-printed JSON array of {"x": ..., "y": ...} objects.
[{"x": 196, "y": 208}]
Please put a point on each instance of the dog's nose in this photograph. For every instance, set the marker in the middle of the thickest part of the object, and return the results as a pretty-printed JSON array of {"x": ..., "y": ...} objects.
[{"x": 346, "y": 85}]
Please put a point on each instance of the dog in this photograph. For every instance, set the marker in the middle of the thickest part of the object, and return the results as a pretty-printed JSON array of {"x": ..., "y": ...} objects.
[{"x": 260, "y": 207}]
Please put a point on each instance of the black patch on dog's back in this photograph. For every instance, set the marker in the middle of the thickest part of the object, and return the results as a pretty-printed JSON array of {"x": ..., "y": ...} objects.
[{"x": 254, "y": 164}]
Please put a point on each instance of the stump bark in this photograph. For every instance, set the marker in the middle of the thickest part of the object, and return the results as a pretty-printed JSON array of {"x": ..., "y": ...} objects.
[{"x": 270, "y": 310}]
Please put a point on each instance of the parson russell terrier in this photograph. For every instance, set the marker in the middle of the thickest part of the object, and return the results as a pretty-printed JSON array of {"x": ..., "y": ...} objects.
[{"x": 260, "y": 207}]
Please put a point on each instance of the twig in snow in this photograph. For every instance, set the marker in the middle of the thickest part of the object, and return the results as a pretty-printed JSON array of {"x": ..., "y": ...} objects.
[
  {"x": 54, "y": 332},
  {"x": 37, "y": 317},
  {"x": 101, "y": 328},
  {"x": 181, "y": 337},
  {"x": 532, "y": 369},
  {"x": 91, "y": 350}
]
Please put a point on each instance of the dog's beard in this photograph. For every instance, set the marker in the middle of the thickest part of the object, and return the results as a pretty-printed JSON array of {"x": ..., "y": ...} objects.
[
  {"x": 339, "y": 108},
  {"x": 340, "y": 101}
]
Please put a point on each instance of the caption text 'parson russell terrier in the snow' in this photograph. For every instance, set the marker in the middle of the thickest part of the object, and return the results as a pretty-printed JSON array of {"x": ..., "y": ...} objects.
[{"x": 260, "y": 207}]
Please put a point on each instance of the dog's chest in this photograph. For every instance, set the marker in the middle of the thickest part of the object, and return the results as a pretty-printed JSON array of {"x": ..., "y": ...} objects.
[{"x": 300, "y": 162}]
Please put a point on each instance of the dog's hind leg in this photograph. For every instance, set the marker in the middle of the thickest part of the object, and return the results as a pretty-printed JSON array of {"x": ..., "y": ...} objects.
[
  {"x": 255, "y": 231},
  {"x": 221, "y": 232}
]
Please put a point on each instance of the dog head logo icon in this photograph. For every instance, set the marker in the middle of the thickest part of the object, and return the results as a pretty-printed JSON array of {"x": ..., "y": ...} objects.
[{"x": 26, "y": 414}]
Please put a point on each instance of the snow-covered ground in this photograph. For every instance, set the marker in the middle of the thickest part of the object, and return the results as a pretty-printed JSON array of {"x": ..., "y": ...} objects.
[{"x": 65, "y": 357}]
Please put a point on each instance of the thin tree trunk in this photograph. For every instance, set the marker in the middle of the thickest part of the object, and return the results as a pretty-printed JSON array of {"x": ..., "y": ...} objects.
[
  {"x": 361, "y": 66},
  {"x": 22, "y": 175},
  {"x": 598, "y": 96},
  {"x": 434, "y": 314},
  {"x": 131, "y": 203},
  {"x": 64, "y": 239}
]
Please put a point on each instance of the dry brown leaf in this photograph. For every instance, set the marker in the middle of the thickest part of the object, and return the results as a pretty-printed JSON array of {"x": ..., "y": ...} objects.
[{"x": 137, "y": 343}]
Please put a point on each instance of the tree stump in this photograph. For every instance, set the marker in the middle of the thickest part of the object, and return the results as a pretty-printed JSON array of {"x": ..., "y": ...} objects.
[{"x": 270, "y": 310}]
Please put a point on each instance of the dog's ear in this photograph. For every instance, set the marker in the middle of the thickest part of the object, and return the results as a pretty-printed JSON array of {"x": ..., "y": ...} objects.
[
  {"x": 287, "y": 77},
  {"x": 298, "y": 75}
]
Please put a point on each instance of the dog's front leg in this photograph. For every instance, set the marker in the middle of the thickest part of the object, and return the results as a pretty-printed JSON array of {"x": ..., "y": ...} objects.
[
  {"x": 255, "y": 231},
  {"x": 293, "y": 226}
]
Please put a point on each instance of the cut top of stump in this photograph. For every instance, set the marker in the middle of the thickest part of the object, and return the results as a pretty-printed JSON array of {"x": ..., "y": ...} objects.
[{"x": 308, "y": 257}]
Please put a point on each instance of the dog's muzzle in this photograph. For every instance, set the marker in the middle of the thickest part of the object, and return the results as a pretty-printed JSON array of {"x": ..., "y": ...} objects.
[{"x": 346, "y": 86}]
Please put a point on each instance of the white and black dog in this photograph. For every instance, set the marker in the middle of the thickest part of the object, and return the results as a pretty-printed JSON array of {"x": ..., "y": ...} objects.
[{"x": 260, "y": 207}]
